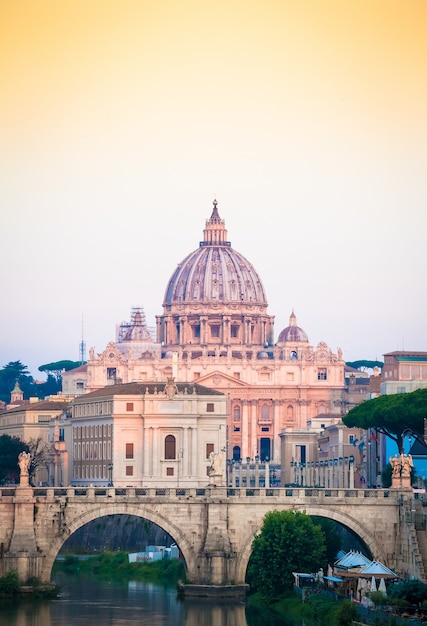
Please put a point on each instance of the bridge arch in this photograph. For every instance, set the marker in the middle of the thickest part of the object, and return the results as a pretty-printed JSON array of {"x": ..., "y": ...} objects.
[
  {"x": 97, "y": 511},
  {"x": 332, "y": 514}
]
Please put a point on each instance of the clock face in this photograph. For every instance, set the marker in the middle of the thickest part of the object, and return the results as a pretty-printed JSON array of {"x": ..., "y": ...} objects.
[{"x": 111, "y": 355}]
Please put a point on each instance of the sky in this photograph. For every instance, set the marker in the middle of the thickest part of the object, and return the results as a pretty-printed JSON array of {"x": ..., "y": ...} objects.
[{"x": 122, "y": 120}]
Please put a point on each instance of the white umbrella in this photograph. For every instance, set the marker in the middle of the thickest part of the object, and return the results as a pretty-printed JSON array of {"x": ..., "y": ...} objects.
[
  {"x": 373, "y": 584},
  {"x": 382, "y": 587}
]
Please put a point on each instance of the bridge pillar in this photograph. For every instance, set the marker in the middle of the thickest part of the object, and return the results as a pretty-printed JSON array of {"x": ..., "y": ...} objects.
[{"x": 22, "y": 555}]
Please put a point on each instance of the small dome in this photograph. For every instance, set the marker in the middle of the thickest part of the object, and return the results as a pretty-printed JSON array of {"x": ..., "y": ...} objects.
[
  {"x": 263, "y": 355},
  {"x": 292, "y": 332}
]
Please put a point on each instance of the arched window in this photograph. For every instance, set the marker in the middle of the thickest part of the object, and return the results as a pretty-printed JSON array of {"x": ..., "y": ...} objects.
[
  {"x": 289, "y": 412},
  {"x": 170, "y": 447},
  {"x": 236, "y": 413},
  {"x": 236, "y": 453},
  {"x": 294, "y": 355}
]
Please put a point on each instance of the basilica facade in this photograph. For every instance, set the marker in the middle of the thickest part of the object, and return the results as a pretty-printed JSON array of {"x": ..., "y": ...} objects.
[{"x": 215, "y": 330}]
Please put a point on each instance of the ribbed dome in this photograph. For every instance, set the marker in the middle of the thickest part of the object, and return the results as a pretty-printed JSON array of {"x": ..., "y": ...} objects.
[
  {"x": 215, "y": 272},
  {"x": 292, "y": 332}
]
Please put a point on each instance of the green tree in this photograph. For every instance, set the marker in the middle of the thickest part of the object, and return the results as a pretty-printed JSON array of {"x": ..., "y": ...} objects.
[
  {"x": 413, "y": 591},
  {"x": 346, "y": 613},
  {"x": 10, "y": 448},
  {"x": 55, "y": 369},
  {"x": 364, "y": 364},
  {"x": 13, "y": 372},
  {"x": 289, "y": 541},
  {"x": 392, "y": 415}
]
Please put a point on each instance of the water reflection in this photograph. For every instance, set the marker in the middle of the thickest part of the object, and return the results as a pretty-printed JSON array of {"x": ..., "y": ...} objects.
[{"x": 98, "y": 603}]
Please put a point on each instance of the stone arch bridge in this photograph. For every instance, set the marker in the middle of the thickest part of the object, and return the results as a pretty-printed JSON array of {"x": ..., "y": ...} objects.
[{"x": 213, "y": 526}]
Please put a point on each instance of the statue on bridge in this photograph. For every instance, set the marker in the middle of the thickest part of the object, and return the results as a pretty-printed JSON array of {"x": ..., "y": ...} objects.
[
  {"x": 401, "y": 470},
  {"x": 24, "y": 460},
  {"x": 216, "y": 470}
]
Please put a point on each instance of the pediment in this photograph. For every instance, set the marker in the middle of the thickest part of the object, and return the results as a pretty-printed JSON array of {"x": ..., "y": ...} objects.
[{"x": 219, "y": 379}]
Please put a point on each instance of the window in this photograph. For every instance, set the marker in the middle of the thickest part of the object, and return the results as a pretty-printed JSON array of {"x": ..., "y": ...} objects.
[
  {"x": 265, "y": 412},
  {"x": 129, "y": 470},
  {"x": 322, "y": 373},
  {"x": 237, "y": 429},
  {"x": 196, "y": 375},
  {"x": 80, "y": 384},
  {"x": 293, "y": 355},
  {"x": 196, "y": 332},
  {"x": 129, "y": 450},
  {"x": 236, "y": 413},
  {"x": 265, "y": 429},
  {"x": 289, "y": 412},
  {"x": 111, "y": 373},
  {"x": 210, "y": 407},
  {"x": 170, "y": 447},
  {"x": 215, "y": 328},
  {"x": 234, "y": 331},
  {"x": 352, "y": 439},
  {"x": 210, "y": 447},
  {"x": 236, "y": 375},
  {"x": 129, "y": 406},
  {"x": 169, "y": 471}
]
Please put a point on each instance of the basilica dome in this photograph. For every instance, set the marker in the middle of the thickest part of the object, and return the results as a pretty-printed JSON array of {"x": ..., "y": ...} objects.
[
  {"x": 215, "y": 273},
  {"x": 292, "y": 332}
]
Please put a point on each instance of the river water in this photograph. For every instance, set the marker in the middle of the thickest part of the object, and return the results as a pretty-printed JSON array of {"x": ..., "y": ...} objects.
[{"x": 99, "y": 603}]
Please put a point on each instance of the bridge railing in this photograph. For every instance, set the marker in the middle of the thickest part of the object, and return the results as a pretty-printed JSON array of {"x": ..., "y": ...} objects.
[{"x": 274, "y": 493}]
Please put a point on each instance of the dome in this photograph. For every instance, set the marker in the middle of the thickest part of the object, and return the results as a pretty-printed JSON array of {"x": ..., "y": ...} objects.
[
  {"x": 215, "y": 273},
  {"x": 136, "y": 330},
  {"x": 292, "y": 332}
]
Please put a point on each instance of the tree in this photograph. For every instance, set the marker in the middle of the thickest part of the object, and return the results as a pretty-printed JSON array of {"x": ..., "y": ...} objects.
[
  {"x": 42, "y": 454},
  {"x": 394, "y": 415},
  {"x": 365, "y": 365},
  {"x": 13, "y": 372},
  {"x": 289, "y": 541},
  {"x": 10, "y": 447}
]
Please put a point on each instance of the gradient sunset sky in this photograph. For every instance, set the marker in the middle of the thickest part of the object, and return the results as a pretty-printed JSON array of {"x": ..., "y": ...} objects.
[{"x": 122, "y": 120}]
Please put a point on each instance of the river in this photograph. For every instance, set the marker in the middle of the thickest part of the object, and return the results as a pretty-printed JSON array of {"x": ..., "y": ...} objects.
[{"x": 84, "y": 602}]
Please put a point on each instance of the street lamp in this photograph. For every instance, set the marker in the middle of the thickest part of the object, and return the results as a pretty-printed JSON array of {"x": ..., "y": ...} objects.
[{"x": 110, "y": 474}]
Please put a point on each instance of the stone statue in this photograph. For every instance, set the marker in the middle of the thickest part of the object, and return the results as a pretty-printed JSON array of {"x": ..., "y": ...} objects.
[
  {"x": 24, "y": 460},
  {"x": 217, "y": 461},
  {"x": 407, "y": 464},
  {"x": 396, "y": 465}
]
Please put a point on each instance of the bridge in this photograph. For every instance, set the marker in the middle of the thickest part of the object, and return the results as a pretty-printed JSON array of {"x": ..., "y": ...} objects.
[{"x": 213, "y": 526}]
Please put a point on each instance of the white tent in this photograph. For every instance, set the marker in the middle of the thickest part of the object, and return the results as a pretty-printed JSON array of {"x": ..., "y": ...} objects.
[
  {"x": 373, "y": 586},
  {"x": 382, "y": 586}
]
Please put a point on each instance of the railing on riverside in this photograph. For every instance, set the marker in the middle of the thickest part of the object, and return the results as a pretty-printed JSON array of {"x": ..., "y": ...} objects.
[{"x": 274, "y": 493}]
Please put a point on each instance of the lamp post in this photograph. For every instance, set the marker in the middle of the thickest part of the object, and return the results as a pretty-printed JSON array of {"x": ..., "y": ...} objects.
[{"x": 110, "y": 474}]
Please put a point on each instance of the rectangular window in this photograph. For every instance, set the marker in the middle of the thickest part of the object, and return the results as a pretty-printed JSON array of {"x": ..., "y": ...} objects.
[
  {"x": 265, "y": 429},
  {"x": 129, "y": 450},
  {"x": 237, "y": 429},
  {"x": 129, "y": 470},
  {"x": 111, "y": 373},
  {"x": 210, "y": 407},
  {"x": 196, "y": 332},
  {"x": 80, "y": 385},
  {"x": 210, "y": 447},
  {"x": 196, "y": 375},
  {"x": 236, "y": 375},
  {"x": 215, "y": 328},
  {"x": 351, "y": 439},
  {"x": 169, "y": 471},
  {"x": 234, "y": 331},
  {"x": 129, "y": 406},
  {"x": 322, "y": 373}
]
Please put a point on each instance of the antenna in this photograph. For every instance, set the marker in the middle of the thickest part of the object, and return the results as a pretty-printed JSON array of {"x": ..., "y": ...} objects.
[{"x": 82, "y": 347}]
